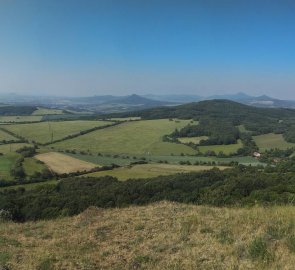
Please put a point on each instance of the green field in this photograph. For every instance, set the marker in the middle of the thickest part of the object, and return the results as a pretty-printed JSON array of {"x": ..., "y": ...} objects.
[
  {"x": 6, "y": 163},
  {"x": 271, "y": 141},
  {"x": 9, "y": 148},
  {"x": 150, "y": 170},
  {"x": 195, "y": 140},
  {"x": 126, "y": 160},
  {"x": 20, "y": 119},
  {"x": 103, "y": 160},
  {"x": 45, "y": 111},
  {"x": 31, "y": 166},
  {"x": 4, "y": 136},
  {"x": 226, "y": 149},
  {"x": 135, "y": 137},
  {"x": 43, "y": 132},
  {"x": 31, "y": 185},
  {"x": 125, "y": 118}
]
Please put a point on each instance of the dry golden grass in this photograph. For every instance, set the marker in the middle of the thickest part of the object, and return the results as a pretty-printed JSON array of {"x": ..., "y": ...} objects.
[
  {"x": 160, "y": 236},
  {"x": 61, "y": 163}
]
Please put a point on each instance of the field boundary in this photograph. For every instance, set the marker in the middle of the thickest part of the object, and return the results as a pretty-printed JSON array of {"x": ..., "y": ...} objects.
[{"x": 82, "y": 132}]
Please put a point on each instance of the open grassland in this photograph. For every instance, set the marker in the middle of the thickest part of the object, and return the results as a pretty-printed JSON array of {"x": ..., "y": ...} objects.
[
  {"x": 123, "y": 160},
  {"x": 30, "y": 186},
  {"x": 159, "y": 236},
  {"x": 6, "y": 163},
  {"x": 20, "y": 119},
  {"x": 135, "y": 137},
  {"x": 61, "y": 163},
  {"x": 45, "y": 132},
  {"x": 125, "y": 118},
  {"x": 4, "y": 136},
  {"x": 272, "y": 141},
  {"x": 45, "y": 111},
  {"x": 195, "y": 140},
  {"x": 104, "y": 160},
  {"x": 10, "y": 148},
  {"x": 32, "y": 166},
  {"x": 226, "y": 149},
  {"x": 150, "y": 170}
]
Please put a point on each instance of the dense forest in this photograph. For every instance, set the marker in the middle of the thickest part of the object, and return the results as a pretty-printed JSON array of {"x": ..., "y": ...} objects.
[
  {"x": 219, "y": 132},
  {"x": 17, "y": 110},
  {"x": 237, "y": 187}
]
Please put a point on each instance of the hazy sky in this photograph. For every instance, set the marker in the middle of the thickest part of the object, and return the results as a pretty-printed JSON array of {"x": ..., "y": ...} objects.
[{"x": 87, "y": 47}]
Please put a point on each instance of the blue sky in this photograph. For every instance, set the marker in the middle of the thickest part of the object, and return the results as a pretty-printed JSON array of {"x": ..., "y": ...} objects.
[{"x": 87, "y": 47}]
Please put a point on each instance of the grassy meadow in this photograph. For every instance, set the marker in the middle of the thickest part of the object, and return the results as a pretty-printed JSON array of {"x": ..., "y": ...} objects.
[
  {"x": 195, "y": 140},
  {"x": 272, "y": 141},
  {"x": 158, "y": 236},
  {"x": 4, "y": 136},
  {"x": 30, "y": 186},
  {"x": 46, "y": 111},
  {"x": 12, "y": 147},
  {"x": 20, "y": 119},
  {"x": 6, "y": 163},
  {"x": 226, "y": 149},
  {"x": 150, "y": 170},
  {"x": 31, "y": 166},
  {"x": 124, "y": 160},
  {"x": 61, "y": 163},
  {"x": 135, "y": 137},
  {"x": 44, "y": 132},
  {"x": 125, "y": 118}
]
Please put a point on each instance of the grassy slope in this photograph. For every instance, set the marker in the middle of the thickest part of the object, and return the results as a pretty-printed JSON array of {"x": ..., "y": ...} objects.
[
  {"x": 150, "y": 170},
  {"x": 136, "y": 137},
  {"x": 226, "y": 149},
  {"x": 61, "y": 163},
  {"x": 126, "y": 118},
  {"x": 19, "y": 119},
  {"x": 6, "y": 136},
  {"x": 45, "y": 111},
  {"x": 159, "y": 236},
  {"x": 271, "y": 140},
  {"x": 31, "y": 185},
  {"x": 108, "y": 160},
  {"x": 6, "y": 163},
  {"x": 32, "y": 166},
  {"x": 195, "y": 140},
  {"x": 7, "y": 148},
  {"x": 41, "y": 132}
]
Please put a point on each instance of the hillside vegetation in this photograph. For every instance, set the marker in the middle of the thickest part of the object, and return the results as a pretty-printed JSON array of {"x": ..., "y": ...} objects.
[
  {"x": 219, "y": 119},
  {"x": 134, "y": 137},
  {"x": 158, "y": 236},
  {"x": 236, "y": 187},
  {"x": 45, "y": 132}
]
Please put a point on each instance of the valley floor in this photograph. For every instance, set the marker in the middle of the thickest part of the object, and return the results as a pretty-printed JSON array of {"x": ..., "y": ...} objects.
[{"x": 159, "y": 236}]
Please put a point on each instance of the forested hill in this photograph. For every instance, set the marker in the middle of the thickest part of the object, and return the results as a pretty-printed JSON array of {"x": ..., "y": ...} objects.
[
  {"x": 225, "y": 109},
  {"x": 16, "y": 110},
  {"x": 219, "y": 119}
]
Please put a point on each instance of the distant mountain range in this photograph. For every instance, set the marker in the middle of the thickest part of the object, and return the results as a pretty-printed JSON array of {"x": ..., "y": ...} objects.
[
  {"x": 260, "y": 101},
  {"x": 95, "y": 104},
  {"x": 110, "y": 103}
]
